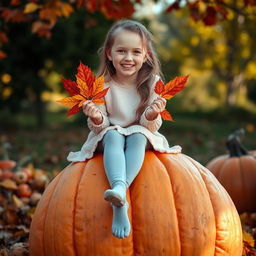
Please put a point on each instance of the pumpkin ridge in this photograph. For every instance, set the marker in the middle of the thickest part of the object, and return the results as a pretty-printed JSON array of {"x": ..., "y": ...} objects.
[
  {"x": 153, "y": 177},
  {"x": 217, "y": 247},
  {"x": 233, "y": 164},
  {"x": 218, "y": 171},
  {"x": 243, "y": 163},
  {"x": 59, "y": 206},
  {"x": 215, "y": 217},
  {"x": 131, "y": 220},
  {"x": 174, "y": 199},
  {"x": 234, "y": 218},
  {"x": 53, "y": 190},
  {"x": 187, "y": 161},
  {"x": 133, "y": 215},
  {"x": 75, "y": 199},
  {"x": 50, "y": 189},
  {"x": 244, "y": 190},
  {"x": 54, "y": 217},
  {"x": 168, "y": 170},
  {"x": 177, "y": 159}
]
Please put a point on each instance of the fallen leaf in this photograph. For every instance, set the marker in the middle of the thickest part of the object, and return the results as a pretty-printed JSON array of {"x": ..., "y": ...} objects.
[
  {"x": 31, "y": 7},
  {"x": 17, "y": 202},
  {"x": 248, "y": 238},
  {"x": 8, "y": 184}
]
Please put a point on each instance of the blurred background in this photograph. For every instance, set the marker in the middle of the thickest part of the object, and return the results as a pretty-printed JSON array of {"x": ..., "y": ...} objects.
[{"x": 43, "y": 41}]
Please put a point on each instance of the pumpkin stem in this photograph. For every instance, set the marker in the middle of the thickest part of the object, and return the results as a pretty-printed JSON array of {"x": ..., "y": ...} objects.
[{"x": 236, "y": 149}]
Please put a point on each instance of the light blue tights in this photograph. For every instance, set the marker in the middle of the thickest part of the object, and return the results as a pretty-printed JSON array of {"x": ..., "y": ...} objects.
[{"x": 123, "y": 158}]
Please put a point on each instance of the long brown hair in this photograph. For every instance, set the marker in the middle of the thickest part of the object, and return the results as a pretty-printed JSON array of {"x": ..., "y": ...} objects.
[{"x": 149, "y": 68}]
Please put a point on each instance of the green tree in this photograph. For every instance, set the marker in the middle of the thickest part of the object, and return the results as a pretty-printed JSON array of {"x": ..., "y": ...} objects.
[
  {"x": 31, "y": 58},
  {"x": 225, "y": 53}
]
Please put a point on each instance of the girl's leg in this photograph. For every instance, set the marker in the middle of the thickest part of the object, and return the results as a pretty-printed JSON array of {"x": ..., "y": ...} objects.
[
  {"x": 114, "y": 163},
  {"x": 134, "y": 154}
]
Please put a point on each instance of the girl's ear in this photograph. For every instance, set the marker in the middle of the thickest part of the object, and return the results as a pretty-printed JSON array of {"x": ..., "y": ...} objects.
[{"x": 108, "y": 55}]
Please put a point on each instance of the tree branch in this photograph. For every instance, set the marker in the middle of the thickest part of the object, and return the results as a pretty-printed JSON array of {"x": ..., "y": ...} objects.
[{"x": 231, "y": 7}]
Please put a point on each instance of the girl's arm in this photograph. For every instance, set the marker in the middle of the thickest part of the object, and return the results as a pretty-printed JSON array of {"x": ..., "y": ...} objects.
[
  {"x": 97, "y": 116},
  {"x": 151, "y": 118},
  {"x": 155, "y": 108}
]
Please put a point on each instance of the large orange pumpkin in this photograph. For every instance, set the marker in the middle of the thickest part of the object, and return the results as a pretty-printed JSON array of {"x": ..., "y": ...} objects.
[
  {"x": 177, "y": 207},
  {"x": 236, "y": 171}
]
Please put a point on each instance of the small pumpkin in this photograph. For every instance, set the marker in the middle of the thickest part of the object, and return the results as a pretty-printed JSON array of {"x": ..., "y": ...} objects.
[
  {"x": 20, "y": 177},
  {"x": 28, "y": 172},
  {"x": 177, "y": 207},
  {"x": 24, "y": 190},
  {"x": 6, "y": 167},
  {"x": 6, "y": 174},
  {"x": 236, "y": 171},
  {"x": 7, "y": 164},
  {"x": 40, "y": 180}
]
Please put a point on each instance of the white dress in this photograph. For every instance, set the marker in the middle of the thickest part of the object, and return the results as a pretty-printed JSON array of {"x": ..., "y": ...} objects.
[{"x": 119, "y": 113}]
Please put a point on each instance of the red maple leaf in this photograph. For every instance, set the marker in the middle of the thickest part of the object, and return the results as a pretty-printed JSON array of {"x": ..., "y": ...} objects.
[
  {"x": 86, "y": 87},
  {"x": 168, "y": 90}
]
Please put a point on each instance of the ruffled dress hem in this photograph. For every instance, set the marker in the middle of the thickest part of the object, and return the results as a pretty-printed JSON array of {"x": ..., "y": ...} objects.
[{"x": 157, "y": 140}]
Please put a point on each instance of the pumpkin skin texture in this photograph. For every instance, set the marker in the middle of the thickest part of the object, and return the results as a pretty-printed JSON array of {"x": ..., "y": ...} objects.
[{"x": 177, "y": 207}]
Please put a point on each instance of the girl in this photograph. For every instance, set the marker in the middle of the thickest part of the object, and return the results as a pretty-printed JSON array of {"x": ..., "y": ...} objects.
[{"x": 128, "y": 123}]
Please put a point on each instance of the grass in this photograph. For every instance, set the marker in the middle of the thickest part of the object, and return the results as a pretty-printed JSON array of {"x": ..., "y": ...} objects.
[{"x": 201, "y": 136}]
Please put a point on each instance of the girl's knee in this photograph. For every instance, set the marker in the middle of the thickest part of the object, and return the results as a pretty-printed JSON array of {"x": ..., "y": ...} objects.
[
  {"x": 137, "y": 139},
  {"x": 113, "y": 136}
]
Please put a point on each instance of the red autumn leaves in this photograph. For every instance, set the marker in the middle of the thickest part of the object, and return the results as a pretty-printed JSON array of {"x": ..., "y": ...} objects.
[
  {"x": 88, "y": 87},
  {"x": 168, "y": 90}
]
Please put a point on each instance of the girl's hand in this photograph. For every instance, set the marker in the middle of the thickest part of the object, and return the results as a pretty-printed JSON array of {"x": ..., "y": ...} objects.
[
  {"x": 92, "y": 111},
  {"x": 156, "y": 107}
]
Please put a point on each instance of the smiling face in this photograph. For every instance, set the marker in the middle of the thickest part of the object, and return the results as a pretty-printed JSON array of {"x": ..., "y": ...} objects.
[{"x": 127, "y": 55}]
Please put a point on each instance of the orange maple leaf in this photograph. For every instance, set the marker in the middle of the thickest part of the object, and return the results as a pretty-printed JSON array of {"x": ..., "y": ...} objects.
[
  {"x": 168, "y": 90},
  {"x": 166, "y": 115},
  {"x": 86, "y": 87}
]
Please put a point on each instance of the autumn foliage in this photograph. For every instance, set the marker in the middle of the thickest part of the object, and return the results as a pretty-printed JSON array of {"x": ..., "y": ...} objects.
[
  {"x": 86, "y": 87},
  {"x": 168, "y": 90},
  {"x": 43, "y": 15}
]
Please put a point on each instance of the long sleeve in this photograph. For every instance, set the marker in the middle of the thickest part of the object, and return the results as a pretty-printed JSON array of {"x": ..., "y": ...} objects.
[
  {"x": 155, "y": 124},
  {"x": 152, "y": 125},
  {"x": 105, "y": 123}
]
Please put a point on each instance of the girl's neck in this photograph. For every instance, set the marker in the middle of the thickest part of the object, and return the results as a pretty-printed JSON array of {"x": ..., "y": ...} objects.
[{"x": 125, "y": 80}]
